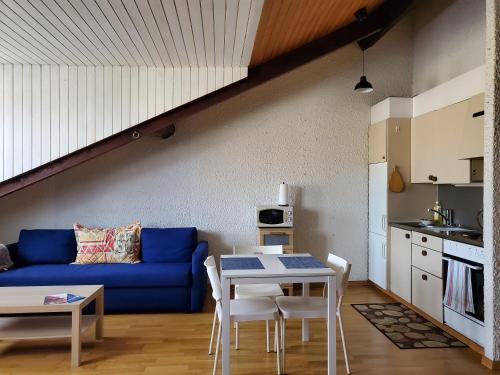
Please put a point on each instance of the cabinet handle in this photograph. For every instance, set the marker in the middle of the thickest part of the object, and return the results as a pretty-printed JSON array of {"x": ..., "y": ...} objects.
[
  {"x": 407, "y": 235},
  {"x": 433, "y": 178},
  {"x": 424, "y": 253},
  {"x": 424, "y": 239},
  {"x": 383, "y": 157},
  {"x": 424, "y": 277}
]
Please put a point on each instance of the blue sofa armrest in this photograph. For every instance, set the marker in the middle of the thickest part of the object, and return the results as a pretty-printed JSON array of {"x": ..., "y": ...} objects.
[{"x": 199, "y": 286}]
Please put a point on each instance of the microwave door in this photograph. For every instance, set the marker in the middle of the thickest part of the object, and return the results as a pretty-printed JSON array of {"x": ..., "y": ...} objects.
[{"x": 272, "y": 216}]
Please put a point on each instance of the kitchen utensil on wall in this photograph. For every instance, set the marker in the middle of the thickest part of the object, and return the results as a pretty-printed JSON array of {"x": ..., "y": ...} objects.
[{"x": 396, "y": 182}]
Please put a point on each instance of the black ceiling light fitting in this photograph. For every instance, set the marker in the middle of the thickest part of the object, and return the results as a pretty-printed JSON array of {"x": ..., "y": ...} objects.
[{"x": 363, "y": 86}]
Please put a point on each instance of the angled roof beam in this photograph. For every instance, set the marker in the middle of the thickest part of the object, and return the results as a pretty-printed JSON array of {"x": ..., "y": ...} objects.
[{"x": 382, "y": 18}]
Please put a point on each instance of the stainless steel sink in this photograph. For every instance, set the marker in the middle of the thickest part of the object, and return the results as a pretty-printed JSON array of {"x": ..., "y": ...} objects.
[{"x": 449, "y": 229}]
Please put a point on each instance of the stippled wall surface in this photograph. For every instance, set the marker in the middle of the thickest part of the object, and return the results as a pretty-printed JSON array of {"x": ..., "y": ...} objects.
[
  {"x": 492, "y": 182},
  {"x": 449, "y": 40},
  {"x": 307, "y": 128}
]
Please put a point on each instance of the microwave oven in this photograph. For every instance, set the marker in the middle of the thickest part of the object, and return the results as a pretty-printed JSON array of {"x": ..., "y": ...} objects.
[{"x": 274, "y": 216}]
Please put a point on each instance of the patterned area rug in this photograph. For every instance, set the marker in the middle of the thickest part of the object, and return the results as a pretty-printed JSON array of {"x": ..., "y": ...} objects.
[{"x": 405, "y": 328}]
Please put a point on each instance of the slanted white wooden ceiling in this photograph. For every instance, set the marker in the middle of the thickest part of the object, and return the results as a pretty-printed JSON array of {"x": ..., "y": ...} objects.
[{"x": 168, "y": 33}]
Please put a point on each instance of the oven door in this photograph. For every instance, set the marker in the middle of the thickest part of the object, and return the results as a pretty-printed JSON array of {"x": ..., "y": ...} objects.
[
  {"x": 271, "y": 217},
  {"x": 477, "y": 284}
]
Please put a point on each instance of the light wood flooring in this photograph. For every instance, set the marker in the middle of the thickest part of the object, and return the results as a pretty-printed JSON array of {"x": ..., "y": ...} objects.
[{"x": 178, "y": 344}]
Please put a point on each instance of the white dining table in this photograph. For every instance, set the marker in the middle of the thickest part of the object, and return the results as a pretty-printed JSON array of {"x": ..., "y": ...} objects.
[{"x": 275, "y": 272}]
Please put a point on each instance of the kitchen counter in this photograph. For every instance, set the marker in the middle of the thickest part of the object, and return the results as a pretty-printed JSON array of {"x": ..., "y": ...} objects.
[{"x": 453, "y": 236}]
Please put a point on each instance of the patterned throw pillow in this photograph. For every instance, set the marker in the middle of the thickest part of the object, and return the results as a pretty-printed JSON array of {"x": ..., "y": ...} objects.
[{"x": 108, "y": 245}]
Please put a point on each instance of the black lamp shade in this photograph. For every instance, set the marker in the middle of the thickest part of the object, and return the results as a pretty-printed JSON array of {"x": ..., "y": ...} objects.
[{"x": 363, "y": 86}]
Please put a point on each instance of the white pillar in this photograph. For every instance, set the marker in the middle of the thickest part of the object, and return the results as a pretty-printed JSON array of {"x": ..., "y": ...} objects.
[{"x": 492, "y": 184}]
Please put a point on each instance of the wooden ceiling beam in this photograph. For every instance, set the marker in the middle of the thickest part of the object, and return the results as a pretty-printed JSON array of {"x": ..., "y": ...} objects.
[{"x": 383, "y": 17}]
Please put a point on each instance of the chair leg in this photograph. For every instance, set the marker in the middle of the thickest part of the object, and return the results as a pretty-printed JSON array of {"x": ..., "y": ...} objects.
[
  {"x": 212, "y": 335},
  {"x": 283, "y": 340},
  {"x": 276, "y": 338},
  {"x": 267, "y": 336},
  {"x": 236, "y": 338},
  {"x": 341, "y": 326},
  {"x": 217, "y": 349},
  {"x": 275, "y": 343}
]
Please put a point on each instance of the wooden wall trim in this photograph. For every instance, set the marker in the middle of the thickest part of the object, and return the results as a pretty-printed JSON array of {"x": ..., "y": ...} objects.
[{"x": 388, "y": 13}]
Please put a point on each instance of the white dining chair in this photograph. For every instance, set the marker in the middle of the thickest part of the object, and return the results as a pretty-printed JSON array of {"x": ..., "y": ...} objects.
[
  {"x": 242, "y": 310},
  {"x": 310, "y": 307},
  {"x": 257, "y": 290}
]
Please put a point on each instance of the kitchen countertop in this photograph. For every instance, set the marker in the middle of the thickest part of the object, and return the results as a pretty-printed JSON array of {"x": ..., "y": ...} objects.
[{"x": 455, "y": 236}]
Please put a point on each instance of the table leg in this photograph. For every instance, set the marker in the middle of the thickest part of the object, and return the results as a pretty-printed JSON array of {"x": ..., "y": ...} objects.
[
  {"x": 332, "y": 325},
  {"x": 99, "y": 312},
  {"x": 305, "y": 322},
  {"x": 226, "y": 329},
  {"x": 76, "y": 339}
]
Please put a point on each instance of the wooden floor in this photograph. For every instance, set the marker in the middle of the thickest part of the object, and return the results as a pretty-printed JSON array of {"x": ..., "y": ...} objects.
[{"x": 178, "y": 343}]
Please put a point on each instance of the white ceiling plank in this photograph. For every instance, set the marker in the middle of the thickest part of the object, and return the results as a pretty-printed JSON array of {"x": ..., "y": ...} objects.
[
  {"x": 139, "y": 24},
  {"x": 122, "y": 46},
  {"x": 228, "y": 75},
  {"x": 55, "y": 151},
  {"x": 154, "y": 32},
  {"x": 207, "y": 11},
  {"x": 219, "y": 25},
  {"x": 197, "y": 27},
  {"x": 27, "y": 126},
  {"x": 187, "y": 33},
  {"x": 64, "y": 109},
  {"x": 236, "y": 73},
  {"x": 169, "y": 88},
  {"x": 177, "y": 87},
  {"x": 125, "y": 95},
  {"x": 8, "y": 126},
  {"x": 117, "y": 102},
  {"x": 22, "y": 45},
  {"x": 72, "y": 108},
  {"x": 26, "y": 27},
  {"x": 89, "y": 28},
  {"x": 121, "y": 16},
  {"x": 45, "y": 106},
  {"x": 58, "y": 17},
  {"x": 230, "y": 30},
  {"x": 175, "y": 29},
  {"x": 82, "y": 107},
  {"x": 36, "y": 119},
  {"x": 241, "y": 30},
  {"x": 219, "y": 77},
  {"x": 186, "y": 85},
  {"x": 202, "y": 80},
  {"x": 160, "y": 90},
  {"x": 194, "y": 80},
  {"x": 99, "y": 103},
  {"x": 108, "y": 101},
  {"x": 143, "y": 93},
  {"x": 253, "y": 24},
  {"x": 1, "y": 124},
  {"x": 134, "y": 95},
  {"x": 161, "y": 20},
  {"x": 151, "y": 91},
  {"x": 12, "y": 54},
  {"x": 91, "y": 98},
  {"x": 18, "y": 119},
  {"x": 44, "y": 18},
  {"x": 210, "y": 78}
]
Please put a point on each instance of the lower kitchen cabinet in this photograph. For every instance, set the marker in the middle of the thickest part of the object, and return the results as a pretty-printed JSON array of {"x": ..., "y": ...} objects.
[
  {"x": 377, "y": 259},
  {"x": 400, "y": 283},
  {"x": 427, "y": 293}
]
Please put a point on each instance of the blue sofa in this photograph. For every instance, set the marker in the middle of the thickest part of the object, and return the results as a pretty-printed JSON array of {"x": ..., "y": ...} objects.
[{"x": 170, "y": 277}]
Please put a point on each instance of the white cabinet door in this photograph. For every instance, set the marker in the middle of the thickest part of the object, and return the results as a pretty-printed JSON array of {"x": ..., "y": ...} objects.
[
  {"x": 401, "y": 263},
  {"x": 377, "y": 259},
  {"x": 427, "y": 293},
  {"x": 377, "y": 197}
]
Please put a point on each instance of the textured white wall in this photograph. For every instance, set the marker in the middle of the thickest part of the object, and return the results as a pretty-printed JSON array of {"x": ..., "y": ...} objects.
[
  {"x": 492, "y": 184},
  {"x": 307, "y": 128},
  {"x": 449, "y": 40}
]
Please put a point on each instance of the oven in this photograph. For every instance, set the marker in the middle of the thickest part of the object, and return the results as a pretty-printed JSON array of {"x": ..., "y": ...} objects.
[{"x": 466, "y": 317}]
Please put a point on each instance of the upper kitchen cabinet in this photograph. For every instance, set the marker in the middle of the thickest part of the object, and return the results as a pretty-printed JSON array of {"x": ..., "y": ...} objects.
[
  {"x": 472, "y": 140},
  {"x": 435, "y": 137},
  {"x": 377, "y": 142}
]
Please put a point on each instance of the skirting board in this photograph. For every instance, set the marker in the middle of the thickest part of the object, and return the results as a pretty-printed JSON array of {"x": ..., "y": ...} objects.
[
  {"x": 474, "y": 346},
  {"x": 490, "y": 364}
]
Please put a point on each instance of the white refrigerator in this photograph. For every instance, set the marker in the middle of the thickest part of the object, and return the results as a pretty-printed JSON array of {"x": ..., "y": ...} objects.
[{"x": 377, "y": 224}]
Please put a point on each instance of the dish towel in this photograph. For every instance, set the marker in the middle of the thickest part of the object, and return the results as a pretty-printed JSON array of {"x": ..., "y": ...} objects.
[{"x": 458, "y": 295}]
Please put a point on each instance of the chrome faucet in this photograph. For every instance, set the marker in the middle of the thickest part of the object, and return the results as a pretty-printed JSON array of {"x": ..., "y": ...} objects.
[{"x": 446, "y": 220}]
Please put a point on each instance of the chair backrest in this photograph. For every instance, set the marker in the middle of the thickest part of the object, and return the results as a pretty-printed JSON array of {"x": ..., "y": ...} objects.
[
  {"x": 213, "y": 275},
  {"x": 275, "y": 249},
  {"x": 342, "y": 268}
]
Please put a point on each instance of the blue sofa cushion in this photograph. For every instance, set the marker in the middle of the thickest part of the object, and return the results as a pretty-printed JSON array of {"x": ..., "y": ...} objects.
[
  {"x": 109, "y": 275},
  {"x": 169, "y": 245},
  {"x": 46, "y": 246}
]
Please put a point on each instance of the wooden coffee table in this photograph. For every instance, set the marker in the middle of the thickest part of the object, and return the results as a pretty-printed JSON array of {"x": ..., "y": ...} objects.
[{"x": 39, "y": 325}]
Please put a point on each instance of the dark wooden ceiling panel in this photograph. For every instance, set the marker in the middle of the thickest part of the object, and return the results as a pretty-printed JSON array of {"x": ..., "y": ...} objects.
[{"x": 288, "y": 24}]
